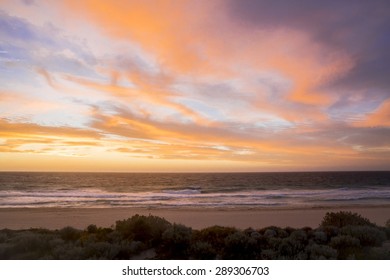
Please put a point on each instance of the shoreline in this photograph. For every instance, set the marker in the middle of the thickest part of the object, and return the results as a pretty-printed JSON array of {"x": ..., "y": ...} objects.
[{"x": 197, "y": 218}]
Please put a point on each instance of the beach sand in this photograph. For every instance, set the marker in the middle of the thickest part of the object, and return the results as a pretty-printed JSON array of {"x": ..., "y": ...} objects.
[{"x": 56, "y": 218}]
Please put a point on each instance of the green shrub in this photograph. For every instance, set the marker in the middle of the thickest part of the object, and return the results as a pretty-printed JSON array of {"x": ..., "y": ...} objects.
[
  {"x": 268, "y": 254},
  {"x": 214, "y": 235},
  {"x": 342, "y": 219},
  {"x": 101, "y": 251},
  {"x": 320, "y": 237},
  {"x": 202, "y": 251},
  {"x": 347, "y": 246},
  {"x": 274, "y": 232},
  {"x": 299, "y": 235},
  {"x": 147, "y": 229},
  {"x": 92, "y": 229},
  {"x": 387, "y": 231},
  {"x": 272, "y": 243},
  {"x": 320, "y": 252},
  {"x": 239, "y": 246},
  {"x": 176, "y": 242},
  {"x": 268, "y": 233},
  {"x": 29, "y": 245},
  {"x": 376, "y": 253},
  {"x": 293, "y": 246},
  {"x": 70, "y": 234},
  {"x": 3, "y": 237},
  {"x": 68, "y": 251},
  {"x": 367, "y": 235}
]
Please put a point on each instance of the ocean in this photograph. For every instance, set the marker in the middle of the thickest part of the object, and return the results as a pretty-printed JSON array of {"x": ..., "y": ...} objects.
[{"x": 207, "y": 190}]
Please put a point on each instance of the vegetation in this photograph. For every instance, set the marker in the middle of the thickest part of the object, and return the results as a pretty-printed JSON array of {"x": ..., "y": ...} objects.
[{"x": 342, "y": 235}]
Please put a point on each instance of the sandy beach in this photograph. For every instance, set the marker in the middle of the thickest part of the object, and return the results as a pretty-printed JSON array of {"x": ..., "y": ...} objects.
[{"x": 56, "y": 218}]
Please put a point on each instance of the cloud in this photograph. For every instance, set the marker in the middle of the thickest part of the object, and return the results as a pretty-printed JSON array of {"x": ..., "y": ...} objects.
[
  {"x": 257, "y": 85},
  {"x": 359, "y": 28},
  {"x": 43, "y": 47},
  {"x": 379, "y": 118}
]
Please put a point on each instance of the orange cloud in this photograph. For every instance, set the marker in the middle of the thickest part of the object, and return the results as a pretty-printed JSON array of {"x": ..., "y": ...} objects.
[
  {"x": 380, "y": 117},
  {"x": 190, "y": 38}
]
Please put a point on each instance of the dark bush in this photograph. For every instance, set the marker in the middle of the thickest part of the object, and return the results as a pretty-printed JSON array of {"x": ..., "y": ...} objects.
[
  {"x": 3, "y": 237},
  {"x": 92, "y": 229},
  {"x": 347, "y": 247},
  {"x": 293, "y": 247},
  {"x": 367, "y": 235},
  {"x": 202, "y": 251},
  {"x": 320, "y": 252},
  {"x": 320, "y": 237},
  {"x": 239, "y": 246},
  {"x": 330, "y": 231},
  {"x": 214, "y": 235},
  {"x": 268, "y": 254},
  {"x": 30, "y": 245},
  {"x": 101, "y": 251},
  {"x": 299, "y": 236},
  {"x": 70, "y": 234},
  {"x": 342, "y": 235},
  {"x": 376, "y": 253},
  {"x": 342, "y": 219},
  {"x": 176, "y": 242},
  {"x": 68, "y": 251},
  {"x": 274, "y": 232},
  {"x": 147, "y": 229}
]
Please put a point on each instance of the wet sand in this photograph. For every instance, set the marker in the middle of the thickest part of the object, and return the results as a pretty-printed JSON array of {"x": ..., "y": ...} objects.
[{"x": 56, "y": 218}]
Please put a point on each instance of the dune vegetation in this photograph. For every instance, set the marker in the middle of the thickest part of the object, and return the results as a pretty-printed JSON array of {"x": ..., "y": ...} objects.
[{"x": 341, "y": 235}]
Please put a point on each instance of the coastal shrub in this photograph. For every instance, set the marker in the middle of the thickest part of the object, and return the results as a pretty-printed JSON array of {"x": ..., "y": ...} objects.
[
  {"x": 367, "y": 235},
  {"x": 56, "y": 242},
  {"x": 68, "y": 251},
  {"x": 330, "y": 231},
  {"x": 101, "y": 251},
  {"x": 343, "y": 235},
  {"x": 342, "y": 219},
  {"x": 239, "y": 246},
  {"x": 147, "y": 229},
  {"x": 92, "y": 229},
  {"x": 292, "y": 247},
  {"x": 127, "y": 249},
  {"x": 202, "y": 251},
  {"x": 376, "y": 253},
  {"x": 103, "y": 234},
  {"x": 29, "y": 245},
  {"x": 320, "y": 237},
  {"x": 3, "y": 237},
  {"x": 70, "y": 234},
  {"x": 289, "y": 230},
  {"x": 299, "y": 236},
  {"x": 214, "y": 235},
  {"x": 268, "y": 254},
  {"x": 320, "y": 252},
  {"x": 273, "y": 243},
  {"x": 347, "y": 246},
  {"x": 269, "y": 233},
  {"x": 387, "y": 231},
  {"x": 256, "y": 235},
  {"x": 274, "y": 232},
  {"x": 6, "y": 251},
  {"x": 176, "y": 241}
]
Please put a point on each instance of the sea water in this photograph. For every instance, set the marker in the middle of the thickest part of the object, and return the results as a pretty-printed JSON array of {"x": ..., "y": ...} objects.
[{"x": 207, "y": 190}]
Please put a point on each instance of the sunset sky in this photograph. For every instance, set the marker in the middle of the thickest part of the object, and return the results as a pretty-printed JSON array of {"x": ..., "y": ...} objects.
[{"x": 140, "y": 86}]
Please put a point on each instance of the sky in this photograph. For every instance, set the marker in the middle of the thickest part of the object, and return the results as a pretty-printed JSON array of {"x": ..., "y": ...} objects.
[{"x": 194, "y": 86}]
